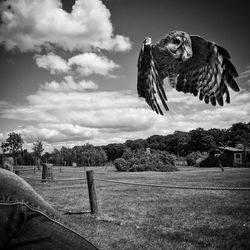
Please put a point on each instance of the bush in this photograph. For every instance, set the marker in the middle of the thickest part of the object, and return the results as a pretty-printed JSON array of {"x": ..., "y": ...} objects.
[
  {"x": 164, "y": 157},
  {"x": 195, "y": 158},
  {"x": 142, "y": 161},
  {"x": 121, "y": 164}
]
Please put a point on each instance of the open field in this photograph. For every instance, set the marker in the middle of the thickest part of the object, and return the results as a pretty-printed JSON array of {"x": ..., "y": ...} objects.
[{"x": 133, "y": 217}]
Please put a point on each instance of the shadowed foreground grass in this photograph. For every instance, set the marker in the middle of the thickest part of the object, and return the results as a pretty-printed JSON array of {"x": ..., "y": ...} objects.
[{"x": 132, "y": 217}]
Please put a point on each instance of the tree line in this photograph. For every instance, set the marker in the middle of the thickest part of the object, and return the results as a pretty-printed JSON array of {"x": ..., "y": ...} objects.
[{"x": 178, "y": 143}]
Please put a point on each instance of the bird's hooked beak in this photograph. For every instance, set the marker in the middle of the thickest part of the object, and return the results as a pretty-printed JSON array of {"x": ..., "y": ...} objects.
[
  {"x": 187, "y": 50},
  {"x": 187, "y": 53}
]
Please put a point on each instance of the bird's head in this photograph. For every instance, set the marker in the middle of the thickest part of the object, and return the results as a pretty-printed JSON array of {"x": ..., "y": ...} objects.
[{"x": 179, "y": 45}]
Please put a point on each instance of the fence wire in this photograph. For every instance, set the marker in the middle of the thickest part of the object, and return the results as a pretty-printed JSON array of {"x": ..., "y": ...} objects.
[
  {"x": 149, "y": 185},
  {"x": 176, "y": 187}
]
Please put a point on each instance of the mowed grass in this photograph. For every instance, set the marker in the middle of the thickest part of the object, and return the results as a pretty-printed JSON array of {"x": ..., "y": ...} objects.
[{"x": 135, "y": 217}]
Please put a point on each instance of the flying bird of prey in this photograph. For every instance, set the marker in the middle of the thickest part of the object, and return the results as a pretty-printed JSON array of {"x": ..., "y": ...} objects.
[{"x": 192, "y": 65}]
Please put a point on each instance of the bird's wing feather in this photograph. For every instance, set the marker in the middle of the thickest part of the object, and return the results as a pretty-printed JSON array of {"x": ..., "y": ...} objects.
[
  {"x": 149, "y": 84},
  {"x": 208, "y": 72}
]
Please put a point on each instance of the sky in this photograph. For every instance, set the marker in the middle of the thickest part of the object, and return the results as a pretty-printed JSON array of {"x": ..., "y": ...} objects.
[{"x": 68, "y": 69}]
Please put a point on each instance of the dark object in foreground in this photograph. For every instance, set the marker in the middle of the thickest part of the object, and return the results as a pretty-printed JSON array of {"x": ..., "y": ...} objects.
[
  {"x": 192, "y": 65},
  {"x": 27, "y": 221}
]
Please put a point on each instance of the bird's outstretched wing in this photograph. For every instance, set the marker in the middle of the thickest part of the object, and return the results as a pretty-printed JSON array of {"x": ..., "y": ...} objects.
[
  {"x": 149, "y": 84},
  {"x": 208, "y": 72}
]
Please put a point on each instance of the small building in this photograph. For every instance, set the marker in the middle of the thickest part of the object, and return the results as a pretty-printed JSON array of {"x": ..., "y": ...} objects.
[{"x": 230, "y": 157}]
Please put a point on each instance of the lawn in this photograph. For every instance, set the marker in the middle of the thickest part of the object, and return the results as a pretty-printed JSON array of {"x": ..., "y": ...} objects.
[{"x": 135, "y": 217}]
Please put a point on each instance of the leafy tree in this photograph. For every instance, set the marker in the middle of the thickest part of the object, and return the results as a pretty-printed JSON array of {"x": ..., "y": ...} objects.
[
  {"x": 38, "y": 149},
  {"x": 200, "y": 140},
  {"x": 136, "y": 144},
  {"x": 56, "y": 156},
  {"x": 88, "y": 151},
  {"x": 207, "y": 143},
  {"x": 13, "y": 144},
  {"x": 100, "y": 156},
  {"x": 85, "y": 155},
  {"x": 218, "y": 135},
  {"x": 114, "y": 150},
  {"x": 157, "y": 142},
  {"x": 195, "y": 139},
  {"x": 47, "y": 157},
  {"x": 127, "y": 154},
  {"x": 28, "y": 158},
  {"x": 95, "y": 156},
  {"x": 239, "y": 133},
  {"x": 66, "y": 154},
  {"x": 178, "y": 143}
]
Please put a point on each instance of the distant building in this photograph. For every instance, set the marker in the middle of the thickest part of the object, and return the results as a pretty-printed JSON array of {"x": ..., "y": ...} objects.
[{"x": 231, "y": 157}]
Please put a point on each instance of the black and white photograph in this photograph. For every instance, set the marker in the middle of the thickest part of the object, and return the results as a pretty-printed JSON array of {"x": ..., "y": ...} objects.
[{"x": 124, "y": 124}]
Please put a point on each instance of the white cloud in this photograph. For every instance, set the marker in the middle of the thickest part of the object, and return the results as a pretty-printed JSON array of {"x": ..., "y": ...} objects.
[
  {"x": 68, "y": 85},
  {"x": 91, "y": 63},
  {"x": 31, "y": 24},
  {"x": 84, "y": 64},
  {"x": 63, "y": 115},
  {"x": 54, "y": 63},
  {"x": 54, "y": 133}
]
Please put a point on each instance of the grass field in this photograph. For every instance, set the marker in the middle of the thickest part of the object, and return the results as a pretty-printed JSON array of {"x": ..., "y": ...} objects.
[{"x": 132, "y": 217}]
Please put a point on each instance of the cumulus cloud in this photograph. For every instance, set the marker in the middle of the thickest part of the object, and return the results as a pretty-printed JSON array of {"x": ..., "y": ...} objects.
[
  {"x": 68, "y": 85},
  {"x": 30, "y": 24},
  {"x": 84, "y": 64},
  {"x": 99, "y": 109},
  {"x": 102, "y": 117},
  {"x": 54, "y": 63},
  {"x": 54, "y": 133},
  {"x": 91, "y": 63}
]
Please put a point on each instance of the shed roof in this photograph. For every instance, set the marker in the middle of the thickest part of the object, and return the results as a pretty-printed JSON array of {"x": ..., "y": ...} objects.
[{"x": 231, "y": 149}]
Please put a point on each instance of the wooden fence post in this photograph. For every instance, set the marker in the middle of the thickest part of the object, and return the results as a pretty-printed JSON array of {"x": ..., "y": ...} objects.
[
  {"x": 92, "y": 193},
  {"x": 47, "y": 173}
]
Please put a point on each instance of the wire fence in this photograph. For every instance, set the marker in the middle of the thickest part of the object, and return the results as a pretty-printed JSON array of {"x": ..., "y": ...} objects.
[
  {"x": 175, "y": 186},
  {"x": 219, "y": 188},
  {"x": 142, "y": 184},
  {"x": 61, "y": 183}
]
